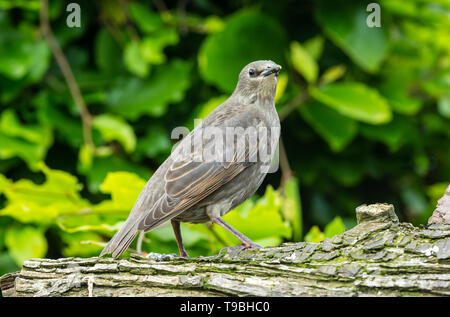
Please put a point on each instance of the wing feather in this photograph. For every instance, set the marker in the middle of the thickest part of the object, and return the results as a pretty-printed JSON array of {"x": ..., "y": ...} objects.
[{"x": 189, "y": 180}]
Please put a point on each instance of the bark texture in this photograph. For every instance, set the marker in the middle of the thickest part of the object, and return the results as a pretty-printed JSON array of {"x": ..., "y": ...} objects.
[{"x": 378, "y": 257}]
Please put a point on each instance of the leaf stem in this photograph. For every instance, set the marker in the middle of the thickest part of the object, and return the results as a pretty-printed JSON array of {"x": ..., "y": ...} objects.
[
  {"x": 297, "y": 101},
  {"x": 64, "y": 66}
]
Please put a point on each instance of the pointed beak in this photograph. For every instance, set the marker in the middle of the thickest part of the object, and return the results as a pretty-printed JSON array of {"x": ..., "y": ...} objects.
[{"x": 274, "y": 69}]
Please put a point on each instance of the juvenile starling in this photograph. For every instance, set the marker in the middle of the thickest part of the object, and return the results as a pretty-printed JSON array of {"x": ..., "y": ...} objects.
[{"x": 203, "y": 178}]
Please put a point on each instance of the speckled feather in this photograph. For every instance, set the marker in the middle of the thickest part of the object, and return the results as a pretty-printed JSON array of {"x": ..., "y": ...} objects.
[{"x": 186, "y": 190}]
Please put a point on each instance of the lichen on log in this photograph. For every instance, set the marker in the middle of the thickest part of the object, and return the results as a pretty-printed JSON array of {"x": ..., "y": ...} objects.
[{"x": 378, "y": 257}]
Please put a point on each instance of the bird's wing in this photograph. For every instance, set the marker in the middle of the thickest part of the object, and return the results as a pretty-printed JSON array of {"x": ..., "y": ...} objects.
[{"x": 189, "y": 180}]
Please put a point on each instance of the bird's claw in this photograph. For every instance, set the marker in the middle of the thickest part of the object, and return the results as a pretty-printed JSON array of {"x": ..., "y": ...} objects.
[{"x": 239, "y": 248}]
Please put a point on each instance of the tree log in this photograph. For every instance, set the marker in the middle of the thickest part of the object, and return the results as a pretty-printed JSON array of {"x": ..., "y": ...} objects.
[{"x": 378, "y": 257}]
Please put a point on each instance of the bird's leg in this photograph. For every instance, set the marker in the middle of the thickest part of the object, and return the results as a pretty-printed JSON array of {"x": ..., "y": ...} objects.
[
  {"x": 177, "y": 231},
  {"x": 246, "y": 242},
  {"x": 139, "y": 243}
]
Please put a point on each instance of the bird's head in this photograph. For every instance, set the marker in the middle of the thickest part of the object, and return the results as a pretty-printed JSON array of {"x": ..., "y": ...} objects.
[{"x": 258, "y": 80}]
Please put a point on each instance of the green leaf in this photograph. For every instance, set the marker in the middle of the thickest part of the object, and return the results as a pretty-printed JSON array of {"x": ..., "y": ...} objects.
[
  {"x": 436, "y": 191},
  {"x": 155, "y": 143},
  {"x": 314, "y": 46},
  {"x": 151, "y": 47},
  {"x": 10, "y": 89},
  {"x": 439, "y": 84},
  {"x": 107, "y": 53},
  {"x": 75, "y": 244},
  {"x": 303, "y": 62},
  {"x": 434, "y": 123},
  {"x": 24, "y": 4},
  {"x": 314, "y": 235},
  {"x": 40, "y": 60},
  {"x": 4, "y": 183},
  {"x": 414, "y": 200},
  {"x": 98, "y": 221},
  {"x": 421, "y": 163},
  {"x": 146, "y": 20},
  {"x": 332, "y": 74},
  {"x": 281, "y": 86},
  {"x": 4, "y": 221},
  {"x": 333, "y": 127},
  {"x": 344, "y": 22},
  {"x": 7, "y": 264},
  {"x": 25, "y": 243},
  {"x": 395, "y": 87},
  {"x": 347, "y": 172},
  {"x": 246, "y": 38},
  {"x": 42, "y": 203},
  {"x": 101, "y": 166},
  {"x": 10, "y": 125},
  {"x": 134, "y": 97},
  {"x": 22, "y": 53},
  {"x": 68, "y": 129},
  {"x": 124, "y": 188},
  {"x": 444, "y": 106},
  {"x": 354, "y": 100},
  {"x": 86, "y": 157},
  {"x": 115, "y": 128},
  {"x": 402, "y": 103},
  {"x": 12, "y": 147},
  {"x": 134, "y": 60},
  {"x": 292, "y": 208},
  {"x": 334, "y": 228},
  {"x": 394, "y": 134},
  {"x": 213, "y": 24},
  {"x": 15, "y": 54},
  {"x": 30, "y": 142}
]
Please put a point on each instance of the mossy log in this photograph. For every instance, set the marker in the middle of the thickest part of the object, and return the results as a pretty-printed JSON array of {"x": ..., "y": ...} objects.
[{"x": 378, "y": 257}]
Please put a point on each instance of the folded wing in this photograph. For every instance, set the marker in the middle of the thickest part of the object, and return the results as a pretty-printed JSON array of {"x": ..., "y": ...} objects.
[{"x": 191, "y": 178}]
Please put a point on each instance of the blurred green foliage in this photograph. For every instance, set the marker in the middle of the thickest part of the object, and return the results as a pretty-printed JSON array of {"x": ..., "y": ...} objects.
[{"x": 372, "y": 124}]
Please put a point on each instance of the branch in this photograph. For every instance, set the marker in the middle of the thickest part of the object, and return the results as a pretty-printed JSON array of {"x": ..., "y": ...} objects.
[
  {"x": 61, "y": 60},
  {"x": 378, "y": 257},
  {"x": 298, "y": 100},
  {"x": 128, "y": 23},
  {"x": 293, "y": 104},
  {"x": 160, "y": 6}
]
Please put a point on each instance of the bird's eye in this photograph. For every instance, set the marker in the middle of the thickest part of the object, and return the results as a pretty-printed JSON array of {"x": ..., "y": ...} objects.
[{"x": 251, "y": 72}]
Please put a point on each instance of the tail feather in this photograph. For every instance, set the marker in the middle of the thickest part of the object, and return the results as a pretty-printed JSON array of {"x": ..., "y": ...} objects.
[{"x": 121, "y": 240}]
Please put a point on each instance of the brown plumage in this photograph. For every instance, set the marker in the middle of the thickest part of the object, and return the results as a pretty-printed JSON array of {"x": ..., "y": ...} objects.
[{"x": 188, "y": 187}]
